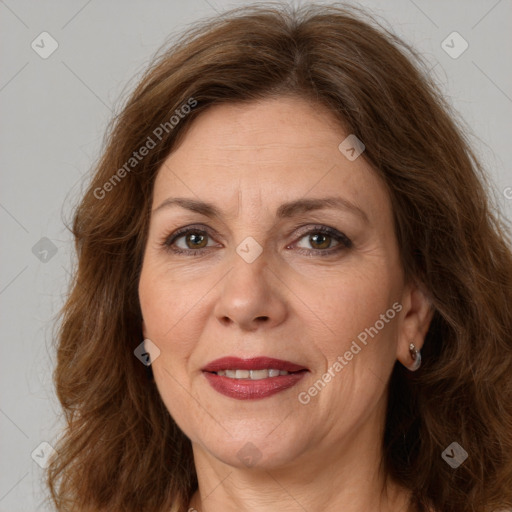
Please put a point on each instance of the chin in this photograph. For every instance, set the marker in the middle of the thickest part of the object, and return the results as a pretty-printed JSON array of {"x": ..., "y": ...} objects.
[{"x": 255, "y": 450}]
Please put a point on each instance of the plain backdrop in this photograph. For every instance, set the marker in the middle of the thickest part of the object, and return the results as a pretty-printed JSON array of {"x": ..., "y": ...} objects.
[{"x": 54, "y": 112}]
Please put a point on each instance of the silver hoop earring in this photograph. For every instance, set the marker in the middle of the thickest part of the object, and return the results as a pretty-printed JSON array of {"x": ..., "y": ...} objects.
[{"x": 416, "y": 358}]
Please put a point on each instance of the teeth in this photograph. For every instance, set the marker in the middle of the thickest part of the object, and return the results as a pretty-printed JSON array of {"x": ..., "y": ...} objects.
[
  {"x": 258, "y": 374},
  {"x": 251, "y": 374}
]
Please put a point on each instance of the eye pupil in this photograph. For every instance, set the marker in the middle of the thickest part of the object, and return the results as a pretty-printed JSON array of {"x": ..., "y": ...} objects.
[
  {"x": 194, "y": 238},
  {"x": 322, "y": 245}
]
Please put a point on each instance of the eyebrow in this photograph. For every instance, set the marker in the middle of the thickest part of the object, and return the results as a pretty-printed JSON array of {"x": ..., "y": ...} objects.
[{"x": 286, "y": 210}]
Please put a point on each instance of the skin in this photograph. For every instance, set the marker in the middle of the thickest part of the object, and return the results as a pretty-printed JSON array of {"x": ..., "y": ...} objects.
[{"x": 303, "y": 307}]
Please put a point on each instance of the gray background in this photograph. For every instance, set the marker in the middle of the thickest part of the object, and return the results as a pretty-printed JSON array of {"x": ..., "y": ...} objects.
[{"x": 54, "y": 112}]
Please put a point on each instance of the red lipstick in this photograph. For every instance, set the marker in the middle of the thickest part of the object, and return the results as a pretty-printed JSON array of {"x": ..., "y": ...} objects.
[{"x": 247, "y": 388}]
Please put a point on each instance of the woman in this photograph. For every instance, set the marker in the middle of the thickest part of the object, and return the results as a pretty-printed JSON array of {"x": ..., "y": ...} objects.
[{"x": 292, "y": 292}]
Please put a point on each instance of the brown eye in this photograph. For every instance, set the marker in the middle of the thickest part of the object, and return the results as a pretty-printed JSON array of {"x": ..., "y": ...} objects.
[
  {"x": 195, "y": 241},
  {"x": 191, "y": 241},
  {"x": 320, "y": 241}
]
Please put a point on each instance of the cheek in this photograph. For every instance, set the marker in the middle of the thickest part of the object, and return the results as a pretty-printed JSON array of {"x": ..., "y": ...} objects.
[
  {"x": 348, "y": 303},
  {"x": 357, "y": 346},
  {"x": 165, "y": 303},
  {"x": 171, "y": 329},
  {"x": 166, "y": 318}
]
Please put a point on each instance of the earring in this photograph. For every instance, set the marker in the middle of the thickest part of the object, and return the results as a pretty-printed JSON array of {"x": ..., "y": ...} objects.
[{"x": 416, "y": 358}]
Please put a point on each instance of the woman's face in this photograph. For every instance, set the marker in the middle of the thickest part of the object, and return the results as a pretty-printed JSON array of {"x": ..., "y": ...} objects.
[{"x": 290, "y": 254}]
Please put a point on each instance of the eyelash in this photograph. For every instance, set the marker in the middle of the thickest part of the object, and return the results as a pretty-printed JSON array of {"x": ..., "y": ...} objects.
[{"x": 344, "y": 241}]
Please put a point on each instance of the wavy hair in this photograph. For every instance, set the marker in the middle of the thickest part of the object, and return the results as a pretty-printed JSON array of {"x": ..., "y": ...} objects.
[{"x": 120, "y": 449}]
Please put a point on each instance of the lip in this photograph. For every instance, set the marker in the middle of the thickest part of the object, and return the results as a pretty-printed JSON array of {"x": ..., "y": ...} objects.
[{"x": 246, "y": 389}]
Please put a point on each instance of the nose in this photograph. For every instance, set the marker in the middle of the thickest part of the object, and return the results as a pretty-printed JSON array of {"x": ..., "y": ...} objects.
[{"x": 251, "y": 296}]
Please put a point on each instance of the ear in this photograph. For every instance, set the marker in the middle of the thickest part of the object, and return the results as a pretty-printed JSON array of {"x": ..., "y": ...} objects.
[{"x": 416, "y": 317}]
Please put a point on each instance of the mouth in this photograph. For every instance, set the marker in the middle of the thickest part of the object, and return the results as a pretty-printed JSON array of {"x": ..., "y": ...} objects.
[{"x": 253, "y": 378}]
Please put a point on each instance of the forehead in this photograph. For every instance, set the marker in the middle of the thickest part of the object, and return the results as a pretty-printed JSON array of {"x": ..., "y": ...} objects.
[{"x": 269, "y": 152}]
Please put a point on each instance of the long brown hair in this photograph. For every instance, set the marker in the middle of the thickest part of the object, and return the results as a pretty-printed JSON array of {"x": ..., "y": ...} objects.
[{"x": 121, "y": 450}]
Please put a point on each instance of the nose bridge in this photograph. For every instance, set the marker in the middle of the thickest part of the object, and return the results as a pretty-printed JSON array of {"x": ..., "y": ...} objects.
[{"x": 249, "y": 295}]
